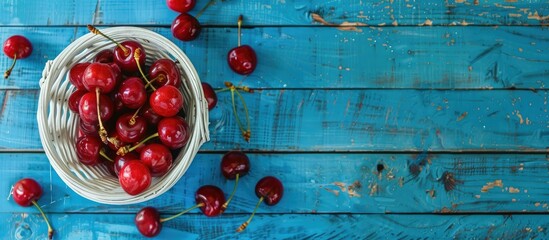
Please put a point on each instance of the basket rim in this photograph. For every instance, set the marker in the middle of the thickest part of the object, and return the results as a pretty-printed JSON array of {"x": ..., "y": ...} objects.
[{"x": 52, "y": 78}]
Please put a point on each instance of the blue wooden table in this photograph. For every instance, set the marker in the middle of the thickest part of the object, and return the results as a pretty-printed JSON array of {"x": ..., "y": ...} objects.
[{"x": 384, "y": 119}]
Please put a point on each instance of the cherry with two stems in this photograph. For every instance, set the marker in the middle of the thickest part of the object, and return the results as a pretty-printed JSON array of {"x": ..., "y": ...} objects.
[
  {"x": 26, "y": 192},
  {"x": 208, "y": 198},
  {"x": 242, "y": 59},
  {"x": 16, "y": 47},
  {"x": 124, "y": 52},
  {"x": 269, "y": 190},
  {"x": 234, "y": 165}
]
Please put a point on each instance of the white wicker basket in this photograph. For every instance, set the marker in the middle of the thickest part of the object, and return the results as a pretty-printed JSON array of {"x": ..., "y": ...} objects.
[{"x": 58, "y": 125}]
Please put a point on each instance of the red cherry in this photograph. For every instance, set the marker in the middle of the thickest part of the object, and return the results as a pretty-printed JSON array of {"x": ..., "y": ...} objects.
[
  {"x": 242, "y": 59},
  {"x": 148, "y": 113},
  {"x": 76, "y": 73},
  {"x": 120, "y": 161},
  {"x": 235, "y": 163},
  {"x": 89, "y": 149},
  {"x": 185, "y": 27},
  {"x": 158, "y": 158},
  {"x": 104, "y": 56},
  {"x": 130, "y": 130},
  {"x": 74, "y": 99},
  {"x": 210, "y": 95},
  {"x": 181, "y": 6},
  {"x": 26, "y": 192},
  {"x": 132, "y": 93},
  {"x": 134, "y": 177},
  {"x": 118, "y": 105},
  {"x": 268, "y": 189},
  {"x": 99, "y": 76},
  {"x": 88, "y": 128},
  {"x": 87, "y": 108},
  {"x": 147, "y": 221},
  {"x": 166, "y": 73},
  {"x": 166, "y": 101},
  {"x": 125, "y": 59},
  {"x": 16, "y": 47},
  {"x": 173, "y": 132},
  {"x": 211, "y": 198}
]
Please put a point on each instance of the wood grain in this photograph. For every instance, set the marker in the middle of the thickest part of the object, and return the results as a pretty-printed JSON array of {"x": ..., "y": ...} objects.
[
  {"x": 287, "y": 226},
  {"x": 348, "y": 120},
  {"x": 331, "y": 183},
  {"x": 402, "y": 57},
  {"x": 275, "y": 12}
]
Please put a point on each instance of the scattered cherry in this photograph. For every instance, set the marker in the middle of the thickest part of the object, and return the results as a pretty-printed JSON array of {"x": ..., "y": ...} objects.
[
  {"x": 26, "y": 192},
  {"x": 208, "y": 198},
  {"x": 242, "y": 59},
  {"x": 185, "y": 27},
  {"x": 16, "y": 47},
  {"x": 210, "y": 95},
  {"x": 234, "y": 165},
  {"x": 268, "y": 189},
  {"x": 134, "y": 177},
  {"x": 181, "y": 6}
]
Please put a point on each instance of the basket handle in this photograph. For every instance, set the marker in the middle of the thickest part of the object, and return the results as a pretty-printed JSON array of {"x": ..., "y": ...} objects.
[
  {"x": 205, "y": 119},
  {"x": 46, "y": 72}
]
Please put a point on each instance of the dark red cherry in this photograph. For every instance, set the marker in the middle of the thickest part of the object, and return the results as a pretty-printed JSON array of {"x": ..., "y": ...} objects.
[
  {"x": 88, "y": 128},
  {"x": 242, "y": 59},
  {"x": 118, "y": 105},
  {"x": 126, "y": 59},
  {"x": 99, "y": 75},
  {"x": 235, "y": 163},
  {"x": 166, "y": 101},
  {"x": 149, "y": 115},
  {"x": 173, "y": 132},
  {"x": 157, "y": 157},
  {"x": 210, "y": 95},
  {"x": 185, "y": 27},
  {"x": 134, "y": 177},
  {"x": 16, "y": 47},
  {"x": 211, "y": 198},
  {"x": 270, "y": 189},
  {"x": 76, "y": 73},
  {"x": 104, "y": 56},
  {"x": 87, "y": 108},
  {"x": 165, "y": 72},
  {"x": 147, "y": 221},
  {"x": 88, "y": 150},
  {"x": 132, "y": 93},
  {"x": 26, "y": 192},
  {"x": 74, "y": 99},
  {"x": 181, "y": 6},
  {"x": 120, "y": 161},
  {"x": 130, "y": 130}
]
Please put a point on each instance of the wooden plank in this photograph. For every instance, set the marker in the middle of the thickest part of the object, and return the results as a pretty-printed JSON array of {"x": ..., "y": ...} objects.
[
  {"x": 348, "y": 120},
  {"x": 331, "y": 183},
  {"x": 400, "y": 57},
  {"x": 273, "y": 12},
  {"x": 287, "y": 226}
]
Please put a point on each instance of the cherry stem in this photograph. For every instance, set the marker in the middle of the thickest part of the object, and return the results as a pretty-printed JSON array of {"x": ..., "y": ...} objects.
[
  {"x": 126, "y": 149},
  {"x": 132, "y": 119},
  {"x": 96, "y": 31},
  {"x": 226, "y": 204},
  {"x": 136, "y": 57},
  {"x": 239, "y": 27},
  {"x": 8, "y": 72},
  {"x": 157, "y": 78},
  {"x": 204, "y": 8},
  {"x": 102, "y": 131},
  {"x": 181, "y": 213},
  {"x": 114, "y": 141},
  {"x": 246, "y": 133},
  {"x": 245, "y": 224},
  {"x": 50, "y": 229},
  {"x": 103, "y": 154}
]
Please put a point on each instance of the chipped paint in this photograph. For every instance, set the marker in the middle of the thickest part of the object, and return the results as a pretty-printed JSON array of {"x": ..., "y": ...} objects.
[
  {"x": 335, "y": 192},
  {"x": 344, "y": 26},
  {"x": 462, "y": 116},
  {"x": 491, "y": 185},
  {"x": 514, "y": 190},
  {"x": 536, "y": 16}
]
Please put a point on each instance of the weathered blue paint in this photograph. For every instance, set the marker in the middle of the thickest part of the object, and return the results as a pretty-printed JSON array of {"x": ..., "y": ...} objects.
[
  {"x": 276, "y": 12},
  {"x": 389, "y": 57}
]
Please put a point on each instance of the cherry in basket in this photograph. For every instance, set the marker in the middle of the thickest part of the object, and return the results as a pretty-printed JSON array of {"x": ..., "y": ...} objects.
[
  {"x": 208, "y": 198},
  {"x": 269, "y": 190},
  {"x": 26, "y": 192},
  {"x": 242, "y": 59},
  {"x": 16, "y": 47}
]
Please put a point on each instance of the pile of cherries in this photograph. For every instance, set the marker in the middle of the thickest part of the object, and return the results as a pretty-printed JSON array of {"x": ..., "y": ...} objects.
[
  {"x": 211, "y": 199},
  {"x": 129, "y": 120}
]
